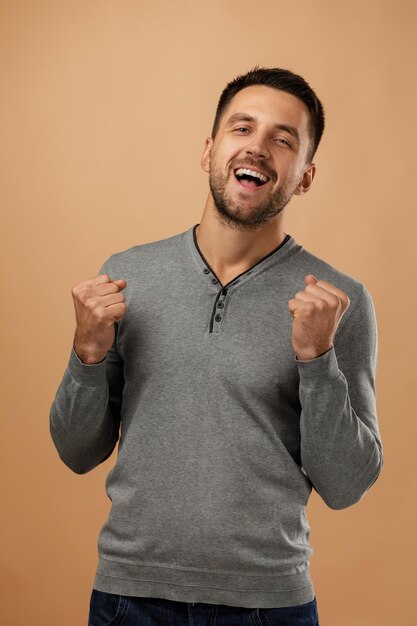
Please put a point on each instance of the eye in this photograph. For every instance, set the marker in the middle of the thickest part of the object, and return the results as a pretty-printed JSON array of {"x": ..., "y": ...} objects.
[
  {"x": 242, "y": 128},
  {"x": 283, "y": 141}
]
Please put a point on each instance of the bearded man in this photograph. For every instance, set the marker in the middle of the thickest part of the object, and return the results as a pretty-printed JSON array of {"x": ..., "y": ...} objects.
[{"x": 236, "y": 371}]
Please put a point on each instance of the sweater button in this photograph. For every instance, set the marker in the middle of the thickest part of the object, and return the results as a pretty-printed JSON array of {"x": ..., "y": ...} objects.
[
  {"x": 214, "y": 281},
  {"x": 206, "y": 271},
  {"x": 218, "y": 318},
  {"x": 220, "y": 305},
  {"x": 224, "y": 292}
]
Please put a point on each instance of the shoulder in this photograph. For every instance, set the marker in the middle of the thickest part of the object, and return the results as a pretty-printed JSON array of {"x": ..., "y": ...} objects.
[{"x": 145, "y": 255}]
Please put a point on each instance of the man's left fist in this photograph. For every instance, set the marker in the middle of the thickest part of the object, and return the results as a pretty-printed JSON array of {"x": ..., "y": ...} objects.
[{"x": 316, "y": 313}]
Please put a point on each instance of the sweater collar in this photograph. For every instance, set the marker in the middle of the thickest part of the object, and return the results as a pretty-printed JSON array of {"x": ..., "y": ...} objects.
[{"x": 275, "y": 255}]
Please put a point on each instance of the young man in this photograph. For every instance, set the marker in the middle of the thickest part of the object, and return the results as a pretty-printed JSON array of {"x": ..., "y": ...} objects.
[{"x": 241, "y": 370}]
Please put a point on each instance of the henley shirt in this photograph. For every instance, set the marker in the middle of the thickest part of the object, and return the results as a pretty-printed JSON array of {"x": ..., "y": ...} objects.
[{"x": 222, "y": 432}]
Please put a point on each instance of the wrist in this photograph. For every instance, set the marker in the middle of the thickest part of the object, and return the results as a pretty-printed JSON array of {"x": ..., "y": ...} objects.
[
  {"x": 88, "y": 356},
  {"x": 309, "y": 356}
]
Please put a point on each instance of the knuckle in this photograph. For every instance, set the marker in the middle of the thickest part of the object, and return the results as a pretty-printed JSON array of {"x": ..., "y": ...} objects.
[
  {"x": 99, "y": 313},
  {"x": 91, "y": 303},
  {"x": 75, "y": 289},
  {"x": 84, "y": 294}
]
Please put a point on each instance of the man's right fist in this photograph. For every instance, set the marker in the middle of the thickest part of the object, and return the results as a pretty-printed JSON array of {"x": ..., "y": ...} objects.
[{"x": 98, "y": 304}]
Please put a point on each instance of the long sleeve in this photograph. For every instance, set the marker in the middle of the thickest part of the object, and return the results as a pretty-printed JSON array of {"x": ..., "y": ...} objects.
[
  {"x": 341, "y": 448},
  {"x": 85, "y": 414}
]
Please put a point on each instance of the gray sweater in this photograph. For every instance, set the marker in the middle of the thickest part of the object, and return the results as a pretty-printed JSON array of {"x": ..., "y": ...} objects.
[{"x": 222, "y": 433}]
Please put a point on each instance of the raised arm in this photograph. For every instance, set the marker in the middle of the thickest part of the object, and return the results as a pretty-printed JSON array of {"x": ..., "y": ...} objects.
[
  {"x": 85, "y": 414},
  {"x": 341, "y": 448}
]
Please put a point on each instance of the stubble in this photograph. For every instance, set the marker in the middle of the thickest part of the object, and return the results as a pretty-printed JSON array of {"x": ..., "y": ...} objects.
[{"x": 237, "y": 213}]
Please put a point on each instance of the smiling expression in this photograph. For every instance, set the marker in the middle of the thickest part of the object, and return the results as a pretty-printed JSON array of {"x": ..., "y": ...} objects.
[{"x": 258, "y": 158}]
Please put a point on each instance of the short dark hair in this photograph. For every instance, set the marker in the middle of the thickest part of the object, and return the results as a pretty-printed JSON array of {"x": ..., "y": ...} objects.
[{"x": 281, "y": 79}]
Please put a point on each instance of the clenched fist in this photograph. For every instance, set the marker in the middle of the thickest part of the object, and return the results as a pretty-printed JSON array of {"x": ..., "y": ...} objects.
[
  {"x": 316, "y": 313},
  {"x": 98, "y": 305}
]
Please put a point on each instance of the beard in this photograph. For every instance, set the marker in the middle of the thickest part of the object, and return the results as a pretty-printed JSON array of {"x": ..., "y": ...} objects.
[{"x": 236, "y": 214}]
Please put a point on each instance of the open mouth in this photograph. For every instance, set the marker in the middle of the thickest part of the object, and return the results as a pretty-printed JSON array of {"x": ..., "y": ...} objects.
[{"x": 250, "y": 179}]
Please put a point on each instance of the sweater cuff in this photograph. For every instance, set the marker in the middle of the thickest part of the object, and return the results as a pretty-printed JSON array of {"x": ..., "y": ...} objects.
[
  {"x": 89, "y": 375},
  {"x": 318, "y": 372}
]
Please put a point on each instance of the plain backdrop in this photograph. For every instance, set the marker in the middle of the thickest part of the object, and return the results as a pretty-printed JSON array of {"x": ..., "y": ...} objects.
[{"x": 104, "y": 110}]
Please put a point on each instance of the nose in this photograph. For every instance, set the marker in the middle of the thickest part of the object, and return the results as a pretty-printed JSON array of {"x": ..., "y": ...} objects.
[{"x": 258, "y": 147}]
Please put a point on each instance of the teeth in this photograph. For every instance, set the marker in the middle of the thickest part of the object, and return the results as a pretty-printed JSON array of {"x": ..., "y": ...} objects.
[{"x": 243, "y": 170}]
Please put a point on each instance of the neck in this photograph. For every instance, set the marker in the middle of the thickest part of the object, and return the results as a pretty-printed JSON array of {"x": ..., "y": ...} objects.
[{"x": 229, "y": 248}]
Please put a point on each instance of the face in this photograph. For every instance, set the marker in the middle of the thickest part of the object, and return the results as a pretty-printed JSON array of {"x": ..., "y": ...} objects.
[{"x": 263, "y": 132}]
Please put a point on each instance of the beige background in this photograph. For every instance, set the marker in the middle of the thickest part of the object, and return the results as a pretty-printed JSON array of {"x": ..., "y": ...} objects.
[{"x": 104, "y": 109}]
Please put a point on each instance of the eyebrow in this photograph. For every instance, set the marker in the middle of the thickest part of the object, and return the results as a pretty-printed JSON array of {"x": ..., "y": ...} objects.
[{"x": 245, "y": 117}]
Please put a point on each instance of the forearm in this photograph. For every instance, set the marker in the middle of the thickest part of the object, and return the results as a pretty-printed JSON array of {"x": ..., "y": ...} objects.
[
  {"x": 82, "y": 426},
  {"x": 340, "y": 453}
]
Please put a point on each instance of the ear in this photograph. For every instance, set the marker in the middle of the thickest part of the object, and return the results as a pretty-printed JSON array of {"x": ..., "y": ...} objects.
[
  {"x": 205, "y": 159},
  {"x": 306, "y": 181}
]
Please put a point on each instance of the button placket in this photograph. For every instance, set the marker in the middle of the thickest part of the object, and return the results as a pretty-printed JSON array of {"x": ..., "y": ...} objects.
[
  {"x": 220, "y": 304},
  {"x": 217, "y": 318}
]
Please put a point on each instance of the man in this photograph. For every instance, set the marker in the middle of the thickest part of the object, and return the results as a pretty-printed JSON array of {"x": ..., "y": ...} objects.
[{"x": 241, "y": 369}]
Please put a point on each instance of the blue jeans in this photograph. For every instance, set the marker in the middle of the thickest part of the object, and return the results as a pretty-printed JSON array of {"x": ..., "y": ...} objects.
[{"x": 108, "y": 609}]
